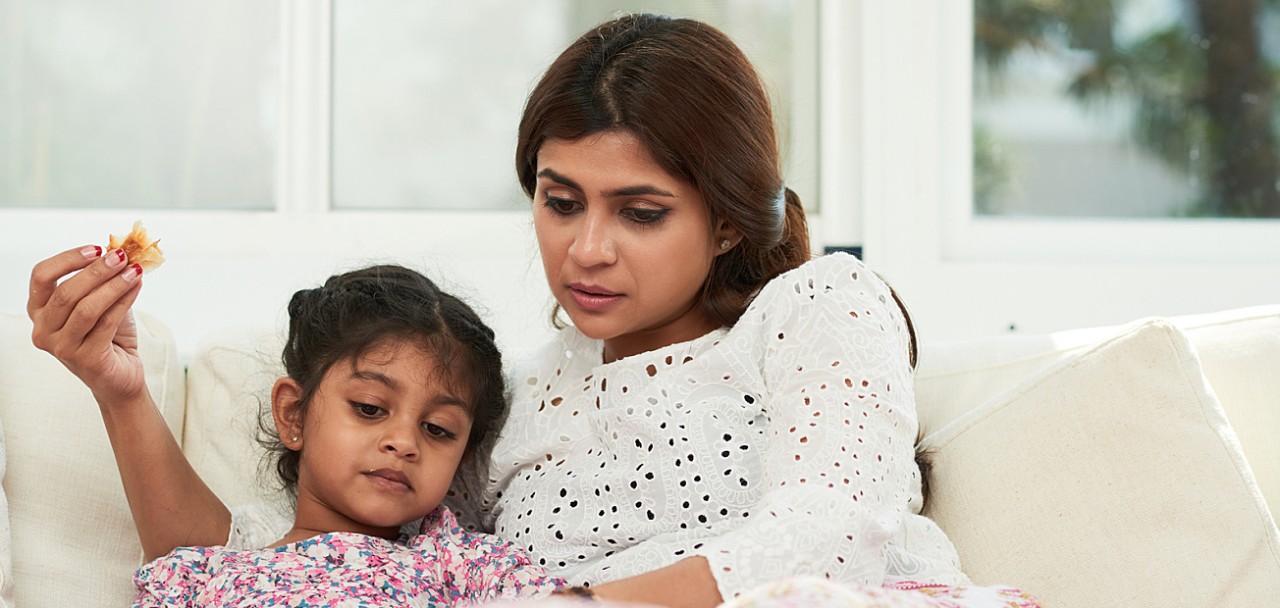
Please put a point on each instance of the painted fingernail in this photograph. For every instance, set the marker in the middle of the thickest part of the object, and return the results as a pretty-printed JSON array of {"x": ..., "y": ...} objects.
[
  {"x": 132, "y": 272},
  {"x": 115, "y": 258},
  {"x": 91, "y": 252}
]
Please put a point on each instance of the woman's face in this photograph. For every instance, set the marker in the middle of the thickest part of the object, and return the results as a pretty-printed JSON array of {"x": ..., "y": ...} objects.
[{"x": 626, "y": 246}]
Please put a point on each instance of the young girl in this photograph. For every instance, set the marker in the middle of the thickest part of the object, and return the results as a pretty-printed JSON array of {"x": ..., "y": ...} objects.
[{"x": 391, "y": 384}]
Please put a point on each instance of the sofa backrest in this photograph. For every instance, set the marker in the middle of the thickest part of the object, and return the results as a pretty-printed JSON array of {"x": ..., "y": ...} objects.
[{"x": 1239, "y": 352}]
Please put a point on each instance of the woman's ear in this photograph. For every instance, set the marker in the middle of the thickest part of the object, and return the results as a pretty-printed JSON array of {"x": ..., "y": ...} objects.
[
  {"x": 286, "y": 410},
  {"x": 725, "y": 237}
]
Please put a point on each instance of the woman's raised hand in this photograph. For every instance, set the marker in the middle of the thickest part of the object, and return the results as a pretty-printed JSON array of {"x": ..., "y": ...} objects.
[{"x": 85, "y": 320}]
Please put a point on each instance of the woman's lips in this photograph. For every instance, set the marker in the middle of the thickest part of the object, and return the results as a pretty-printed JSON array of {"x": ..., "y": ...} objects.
[
  {"x": 389, "y": 478},
  {"x": 592, "y": 298}
]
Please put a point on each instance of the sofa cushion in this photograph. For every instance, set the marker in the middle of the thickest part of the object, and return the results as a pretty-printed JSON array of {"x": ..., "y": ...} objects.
[
  {"x": 1237, "y": 349},
  {"x": 6, "y": 538},
  {"x": 1106, "y": 480},
  {"x": 74, "y": 543},
  {"x": 228, "y": 386}
]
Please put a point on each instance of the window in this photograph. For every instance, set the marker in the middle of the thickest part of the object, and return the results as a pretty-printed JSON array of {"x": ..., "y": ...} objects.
[
  {"x": 270, "y": 144},
  {"x": 1127, "y": 108},
  {"x": 427, "y": 96},
  {"x": 141, "y": 104},
  {"x": 1034, "y": 256}
]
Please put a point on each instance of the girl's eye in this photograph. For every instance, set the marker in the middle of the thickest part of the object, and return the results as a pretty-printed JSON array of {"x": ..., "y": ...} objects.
[
  {"x": 561, "y": 206},
  {"x": 366, "y": 410},
  {"x": 641, "y": 215},
  {"x": 437, "y": 431}
]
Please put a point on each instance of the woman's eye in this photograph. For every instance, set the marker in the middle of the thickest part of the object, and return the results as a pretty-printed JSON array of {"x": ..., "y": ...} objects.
[
  {"x": 561, "y": 206},
  {"x": 644, "y": 216},
  {"x": 366, "y": 410},
  {"x": 437, "y": 431}
]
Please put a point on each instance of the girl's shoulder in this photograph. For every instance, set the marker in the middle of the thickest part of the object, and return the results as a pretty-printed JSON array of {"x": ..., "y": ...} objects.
[
  {"x": 449, "y": 544},
  {"x": 179, "y": 574}
]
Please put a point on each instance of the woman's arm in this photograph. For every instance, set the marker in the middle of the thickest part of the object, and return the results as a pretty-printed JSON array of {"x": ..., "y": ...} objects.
[
  {"x": 685, "y": 584},
  {"x": 837, "y": 468},
  {"x": 85, "y": 322}
]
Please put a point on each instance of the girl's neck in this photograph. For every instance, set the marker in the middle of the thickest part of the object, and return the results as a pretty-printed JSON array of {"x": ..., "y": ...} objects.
[
  {"x": 314, "y": 518},
  {"x": 298, "y": 534}
]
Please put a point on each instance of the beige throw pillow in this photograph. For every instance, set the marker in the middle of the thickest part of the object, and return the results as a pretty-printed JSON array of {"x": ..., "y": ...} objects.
[
  {"x": 1109, "y": 479},
  {"x": 228, "y": 384}
]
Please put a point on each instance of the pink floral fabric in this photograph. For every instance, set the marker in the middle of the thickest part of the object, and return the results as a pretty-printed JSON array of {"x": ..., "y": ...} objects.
[
  {"x": 812, "y": 592},
  {"x": 443, "y": 565}
]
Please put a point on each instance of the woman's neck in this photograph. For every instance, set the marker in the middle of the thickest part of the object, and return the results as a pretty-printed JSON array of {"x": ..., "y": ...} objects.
[{"x": 682, "y": 329}]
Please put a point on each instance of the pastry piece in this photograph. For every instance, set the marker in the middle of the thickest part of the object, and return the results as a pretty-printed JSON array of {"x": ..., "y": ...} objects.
[{"x": 138, "y": 248}]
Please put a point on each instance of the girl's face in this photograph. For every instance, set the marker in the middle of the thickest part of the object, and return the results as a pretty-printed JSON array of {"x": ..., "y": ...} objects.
[
  {"x": 380, "y": 441},
  {"x": 625, "y": 245}
]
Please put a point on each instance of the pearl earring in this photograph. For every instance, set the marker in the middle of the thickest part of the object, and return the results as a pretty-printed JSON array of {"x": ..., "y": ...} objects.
[
  {"x": 724, "y": 244},
  {"x": 295, "y": 437}
]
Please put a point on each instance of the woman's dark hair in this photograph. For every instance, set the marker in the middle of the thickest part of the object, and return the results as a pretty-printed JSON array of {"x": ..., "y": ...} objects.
[
  {"x": 690, "y": 95},
  {"x": 355, "y": 311}
]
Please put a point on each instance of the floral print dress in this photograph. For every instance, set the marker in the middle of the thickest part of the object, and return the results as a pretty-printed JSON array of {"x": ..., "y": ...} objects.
[{"x": 443, "y": 565}]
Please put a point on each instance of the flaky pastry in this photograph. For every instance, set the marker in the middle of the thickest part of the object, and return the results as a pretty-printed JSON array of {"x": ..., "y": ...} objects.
[{"x": 138, "y": 248}]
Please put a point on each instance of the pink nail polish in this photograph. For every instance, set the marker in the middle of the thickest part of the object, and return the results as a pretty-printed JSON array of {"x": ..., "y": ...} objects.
[
  {"x": 115, "y": 258},
  {"x": 91, "y": 252}
]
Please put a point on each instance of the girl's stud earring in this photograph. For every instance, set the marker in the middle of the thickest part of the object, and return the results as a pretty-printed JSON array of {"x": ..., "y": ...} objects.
[{"x": 724, "y": 244}]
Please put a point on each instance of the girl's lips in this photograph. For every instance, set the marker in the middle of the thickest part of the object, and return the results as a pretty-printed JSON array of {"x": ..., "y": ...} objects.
[
  {"x": 389, "y": 478},
  {"x": 591, "y": 298}
]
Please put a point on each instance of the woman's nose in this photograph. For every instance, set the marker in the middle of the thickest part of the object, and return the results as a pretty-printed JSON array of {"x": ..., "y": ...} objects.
[{"x": 593, "y": 244}]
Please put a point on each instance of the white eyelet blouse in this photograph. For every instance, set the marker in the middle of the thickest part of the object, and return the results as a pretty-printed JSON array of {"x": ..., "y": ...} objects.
[{"x": 781, "y": 446}]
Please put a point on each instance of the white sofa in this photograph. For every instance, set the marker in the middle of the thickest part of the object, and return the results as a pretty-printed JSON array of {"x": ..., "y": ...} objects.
[{"x": 1093, "y": 467}]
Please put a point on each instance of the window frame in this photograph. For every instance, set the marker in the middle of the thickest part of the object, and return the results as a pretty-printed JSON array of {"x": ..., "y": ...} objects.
[{"x": 969, "y": 276}]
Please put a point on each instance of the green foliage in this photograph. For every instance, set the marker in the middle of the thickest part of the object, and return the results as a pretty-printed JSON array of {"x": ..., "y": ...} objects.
[{"x": 1165, "y": 74}]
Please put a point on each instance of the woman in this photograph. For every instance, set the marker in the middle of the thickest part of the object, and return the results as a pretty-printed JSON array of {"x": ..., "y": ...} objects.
[{"x": 723, "y": 413}]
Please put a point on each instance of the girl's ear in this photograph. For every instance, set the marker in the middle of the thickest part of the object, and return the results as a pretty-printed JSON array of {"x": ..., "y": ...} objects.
[{"x": 286, "y": 410}]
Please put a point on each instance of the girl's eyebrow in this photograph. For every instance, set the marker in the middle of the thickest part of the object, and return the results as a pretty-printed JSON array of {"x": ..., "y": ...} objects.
[
  {"x": 364, "y": 374},
  {"x": 645, "y": 190},
  {"x": 389, "y": 382}
]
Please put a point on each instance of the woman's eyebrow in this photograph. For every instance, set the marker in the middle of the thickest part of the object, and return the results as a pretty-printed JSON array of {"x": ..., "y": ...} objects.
[
  {"x": 560, "y": 179},
  {"x": 644, "y": 190},
  {"x": 638, "y": 191}
]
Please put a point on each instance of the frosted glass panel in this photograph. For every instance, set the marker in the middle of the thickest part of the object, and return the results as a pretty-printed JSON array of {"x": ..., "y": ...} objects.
[
  {"x": 138, "y": 103},
  {"x": 1127, "y": 108},
  {"x": 427, "y": 96}
]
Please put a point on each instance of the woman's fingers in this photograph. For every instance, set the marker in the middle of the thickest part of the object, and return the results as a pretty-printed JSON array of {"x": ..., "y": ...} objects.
[
  {"x": 109, "y": 328},
  {"x": 88, "y": 310},
  {"x": 46, "y": 274},
  {"x": 65, "y": 298}
]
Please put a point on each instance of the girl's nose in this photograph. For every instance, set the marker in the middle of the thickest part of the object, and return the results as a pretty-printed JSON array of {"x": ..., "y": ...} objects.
[
  {"x": 400, "y": 443},
  {"x": 593, "y": 245}
]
